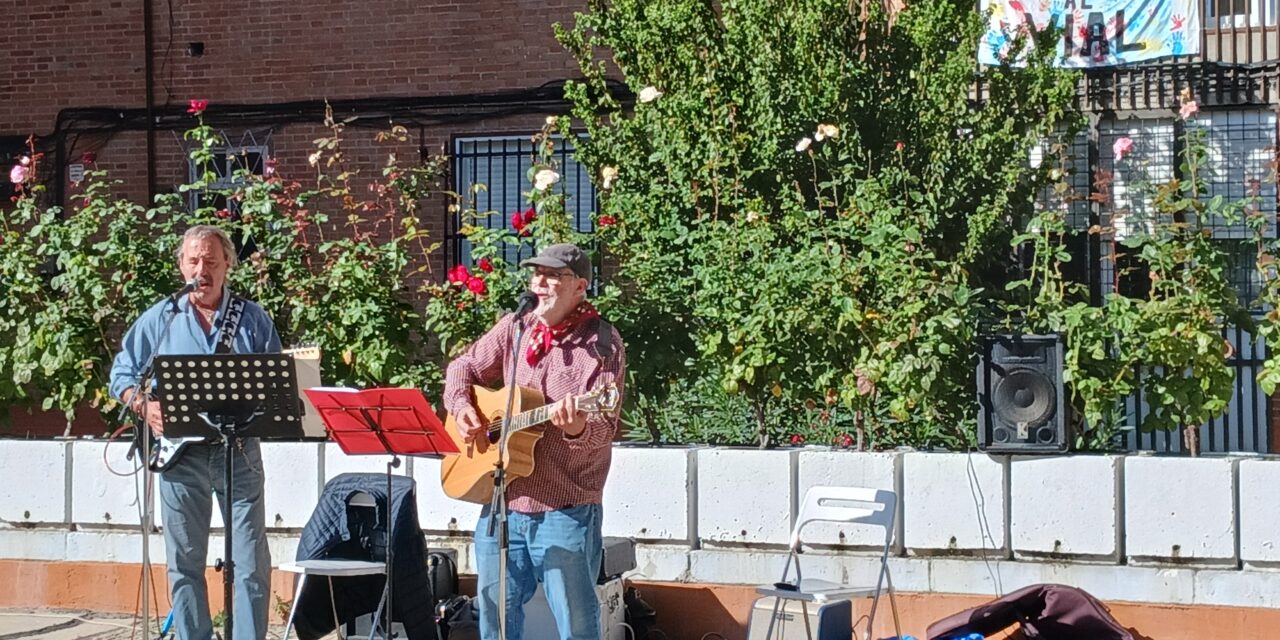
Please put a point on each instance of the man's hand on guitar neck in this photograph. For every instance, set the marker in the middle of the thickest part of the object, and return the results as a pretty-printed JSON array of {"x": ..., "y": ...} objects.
[{"x": 143, "y": 405}]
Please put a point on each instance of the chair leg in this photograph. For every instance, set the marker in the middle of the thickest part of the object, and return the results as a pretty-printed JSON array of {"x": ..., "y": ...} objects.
[
  {"x": 804, "y": 610},
  {"x": 773, "y": 618},
  {"x": 333, "y": 606},
  {"x": 293, "y": 609},
  {"x": 893, "y": 602}
]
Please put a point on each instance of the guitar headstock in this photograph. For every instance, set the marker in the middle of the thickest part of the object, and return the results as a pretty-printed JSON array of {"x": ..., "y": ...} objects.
[{"x": 602, "y": 400}]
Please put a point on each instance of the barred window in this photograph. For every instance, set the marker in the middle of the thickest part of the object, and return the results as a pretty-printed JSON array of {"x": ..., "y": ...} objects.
[{"x": 501, "y": 164}]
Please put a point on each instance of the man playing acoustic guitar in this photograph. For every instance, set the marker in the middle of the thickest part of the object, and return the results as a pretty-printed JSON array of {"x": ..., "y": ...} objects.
[{"x": 554, "y": 512}]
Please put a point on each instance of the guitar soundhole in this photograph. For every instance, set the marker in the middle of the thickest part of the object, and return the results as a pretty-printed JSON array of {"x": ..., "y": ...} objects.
[{"x": 493, "y": 437}]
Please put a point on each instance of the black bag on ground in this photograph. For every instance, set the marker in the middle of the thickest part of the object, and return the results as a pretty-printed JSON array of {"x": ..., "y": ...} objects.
[
  {"x": 458, "y": 618},
  {"x": 442, "y": 570}
]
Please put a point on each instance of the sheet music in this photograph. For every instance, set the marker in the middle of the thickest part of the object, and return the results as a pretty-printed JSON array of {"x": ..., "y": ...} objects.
[{"x": 307, "y": 369}]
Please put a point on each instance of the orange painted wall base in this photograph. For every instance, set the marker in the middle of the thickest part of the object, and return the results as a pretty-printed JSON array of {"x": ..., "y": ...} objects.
[{"x": 685, "y": 611}]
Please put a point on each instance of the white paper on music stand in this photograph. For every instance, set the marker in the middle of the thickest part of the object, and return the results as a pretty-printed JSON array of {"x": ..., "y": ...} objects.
[{"x": 306, "y": 362}]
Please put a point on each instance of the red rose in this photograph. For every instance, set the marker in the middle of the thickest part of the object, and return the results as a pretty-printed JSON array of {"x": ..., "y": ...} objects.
[
  {"x": 846, "y": 440},
  {"x": 197, "y": 107},
  {"x": 797, "y": 439},
  {"x": 485, "y": 265},
  {"x": 88, "y": 157},
  {"x": 459, "y": 274},
  {"x": 222, "y": 213},
  {"x": 606, "y": 221},
  {"x": 899, "y": 146},
  {"x": 476, "y": 285},
  {"x": 520, "y": 220}
]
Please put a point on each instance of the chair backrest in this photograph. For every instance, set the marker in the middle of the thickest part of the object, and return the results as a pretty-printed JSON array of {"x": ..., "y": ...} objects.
[{"x": 874, "y": 507}]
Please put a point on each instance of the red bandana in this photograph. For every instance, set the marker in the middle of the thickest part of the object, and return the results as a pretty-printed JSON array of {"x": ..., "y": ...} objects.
[{"x": 542, "y": 337}]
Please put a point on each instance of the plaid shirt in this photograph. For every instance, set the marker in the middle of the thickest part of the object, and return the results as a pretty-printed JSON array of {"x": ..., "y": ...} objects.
[{"x": 567, "y": 472}]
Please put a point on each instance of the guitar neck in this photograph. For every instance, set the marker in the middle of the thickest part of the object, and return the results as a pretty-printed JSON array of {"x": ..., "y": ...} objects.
[{"x": 535, "y": 417}]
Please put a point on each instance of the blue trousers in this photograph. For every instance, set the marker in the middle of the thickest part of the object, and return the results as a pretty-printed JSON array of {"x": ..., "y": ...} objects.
[
  {"x": 186, "y": 507},
  {"x": 561, "y": 550}
]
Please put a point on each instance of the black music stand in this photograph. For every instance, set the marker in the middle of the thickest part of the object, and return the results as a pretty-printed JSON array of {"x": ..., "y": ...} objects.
[
  {"x": 393, "y": 422},
  {"x": 228, "y": 396}
]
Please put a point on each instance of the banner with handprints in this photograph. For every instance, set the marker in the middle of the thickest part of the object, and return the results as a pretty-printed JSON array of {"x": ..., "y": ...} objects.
[{"x": 1094, "y": 33}]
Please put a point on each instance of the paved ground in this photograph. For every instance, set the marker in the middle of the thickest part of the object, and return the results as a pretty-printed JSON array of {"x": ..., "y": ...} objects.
[{"x": 29, "y": 624}]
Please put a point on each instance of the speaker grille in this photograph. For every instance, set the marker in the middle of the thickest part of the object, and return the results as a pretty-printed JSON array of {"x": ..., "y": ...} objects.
[{"x": 1020, "y": 395}]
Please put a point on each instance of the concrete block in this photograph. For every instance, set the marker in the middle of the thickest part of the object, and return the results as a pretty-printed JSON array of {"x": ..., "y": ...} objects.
[
  {"x": 666, "y": 562},
  {"x": 744, "y": 495},
  {"x": 1180, "y": 509},
  {"x": 1259, "y": 511},
  {"x": 954, "y": 502},
  {"x": 849, "y": 469},
  {"x": 736, "y": 566},
  {"x": 33, "y": 481},
  {"x": 1106, "y": 582},
  {"x": 647, "y": 494},
  {"x": 99, "y": 495},
  {"x": 33, "y": 544},
  {"x": 1065, "y": 506},
  {"x": 113, "y": 546},
  {"x": 292, "y": 482},
  {"x": 436, "y": 511},
  {"x": 1232, "y": 588}
]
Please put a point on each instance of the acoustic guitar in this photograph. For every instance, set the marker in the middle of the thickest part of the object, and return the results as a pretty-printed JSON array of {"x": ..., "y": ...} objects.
[{"x": 469, "y": 475}]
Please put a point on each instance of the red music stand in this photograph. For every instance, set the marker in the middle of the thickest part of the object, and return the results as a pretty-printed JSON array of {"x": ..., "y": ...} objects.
[{"x": 384, "y": 421}]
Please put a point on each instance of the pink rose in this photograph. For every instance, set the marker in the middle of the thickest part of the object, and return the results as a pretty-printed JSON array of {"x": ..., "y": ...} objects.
[
  {"x": 1189, "y": 108},
  {"x": 476, "y": 285},
  {"x": 197, "y": 107},
  {"x": 606, "y": 221},
  {"x": 18, "y": 174},
  {"x": 1121, "y": 148}
]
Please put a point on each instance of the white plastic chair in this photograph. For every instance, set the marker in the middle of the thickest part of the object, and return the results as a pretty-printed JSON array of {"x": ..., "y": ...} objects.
[{"x": 872, "y": 507}]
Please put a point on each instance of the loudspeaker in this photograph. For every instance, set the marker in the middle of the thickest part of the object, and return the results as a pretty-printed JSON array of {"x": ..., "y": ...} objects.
[
  {"x": 1020, "y": 395},
  {"x": 829, "y": 621}
]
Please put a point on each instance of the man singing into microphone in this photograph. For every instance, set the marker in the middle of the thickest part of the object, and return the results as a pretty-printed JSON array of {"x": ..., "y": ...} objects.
[
  {"x": 554, "y": 513},
  {"x": 206, "y": 319}
]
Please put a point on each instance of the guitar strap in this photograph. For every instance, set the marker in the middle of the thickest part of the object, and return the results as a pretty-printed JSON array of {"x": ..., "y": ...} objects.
[
  {"x": 230, "y": 325},
  {"x": 604, "y": 339}
]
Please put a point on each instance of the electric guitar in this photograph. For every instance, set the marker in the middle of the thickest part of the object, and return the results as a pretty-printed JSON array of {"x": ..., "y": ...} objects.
[
  {"x": 165, "y": 451},
  {"x": 469, "y": 475}
]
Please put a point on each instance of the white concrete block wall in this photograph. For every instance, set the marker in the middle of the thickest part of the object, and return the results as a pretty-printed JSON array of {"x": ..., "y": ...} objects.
[
  {"x": 1165, "y": 501},
  {"x": 33, "y": 481},
  {"x": 436, "y": 511},
  {"x": 954, "y": 502},
  {"x": 1259, "y": 511},
  {"x": 292, "y": 482},
  {"x": 1065, "y": 506},
  {"x": 850, "y": 469},
  {"x": 744, "y": 495},
  {"x": 98, "y": 495},
  {"x": 647, "y": 494},
  {"x": 1180, "y": 509}
]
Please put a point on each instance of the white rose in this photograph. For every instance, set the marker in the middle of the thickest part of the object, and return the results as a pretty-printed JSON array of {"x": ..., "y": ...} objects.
[
  {"x": 649, "y": 94},
  {"x": 607, "y": 176},
  {"x": 545, "y": 178},
  {"x": 803, "y": 145},
  {"x": 826, "y": 131}
]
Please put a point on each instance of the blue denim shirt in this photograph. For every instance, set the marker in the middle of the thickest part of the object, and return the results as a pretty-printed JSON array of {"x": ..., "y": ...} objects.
[{"x": 257, "y": 334}]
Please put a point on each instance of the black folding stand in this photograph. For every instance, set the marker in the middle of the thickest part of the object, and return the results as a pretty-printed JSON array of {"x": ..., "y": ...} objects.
[{"x": 230, "y": 396}]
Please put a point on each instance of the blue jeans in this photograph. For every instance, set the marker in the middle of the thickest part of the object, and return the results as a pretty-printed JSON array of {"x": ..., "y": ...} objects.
[
  {"x": 186, "y": 506},
  {"x": 560, "y": 549}
]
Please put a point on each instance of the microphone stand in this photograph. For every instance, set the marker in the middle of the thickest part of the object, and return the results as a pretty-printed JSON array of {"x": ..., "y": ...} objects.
[
  {"x": 142, "y": 444},
  {"x": 498, "y": 505}
]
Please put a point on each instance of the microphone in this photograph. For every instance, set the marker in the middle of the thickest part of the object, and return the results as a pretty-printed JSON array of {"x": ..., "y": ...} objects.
[
  {"x": 190, "y": 286},
  {"x": 525, "y": 303}
]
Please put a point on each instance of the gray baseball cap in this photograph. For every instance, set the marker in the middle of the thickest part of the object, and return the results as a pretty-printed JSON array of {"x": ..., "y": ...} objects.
[{"x": 562, "y": 256}]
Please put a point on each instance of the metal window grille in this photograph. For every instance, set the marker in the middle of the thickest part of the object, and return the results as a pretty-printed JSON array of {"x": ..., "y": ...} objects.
[{"x": 501, "y": 164}]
